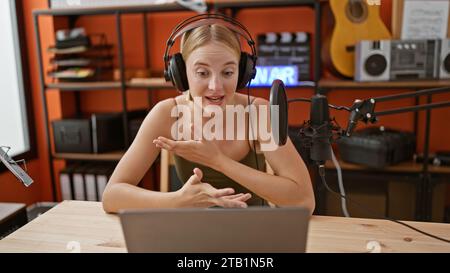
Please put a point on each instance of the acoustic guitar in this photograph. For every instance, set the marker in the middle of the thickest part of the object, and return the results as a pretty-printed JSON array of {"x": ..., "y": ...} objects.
[{"x": 355, "y": 20}]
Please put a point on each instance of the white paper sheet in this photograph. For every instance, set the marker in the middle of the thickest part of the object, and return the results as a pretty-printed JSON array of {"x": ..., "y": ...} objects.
[{"x": 425, "y": 19}]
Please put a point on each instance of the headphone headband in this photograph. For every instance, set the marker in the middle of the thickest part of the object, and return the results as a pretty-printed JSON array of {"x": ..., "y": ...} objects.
[{"x": 207, "y": 19}]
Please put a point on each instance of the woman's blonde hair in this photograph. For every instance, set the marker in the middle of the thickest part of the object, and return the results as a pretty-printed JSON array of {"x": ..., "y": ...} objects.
[{"x": 202, "y": 35}]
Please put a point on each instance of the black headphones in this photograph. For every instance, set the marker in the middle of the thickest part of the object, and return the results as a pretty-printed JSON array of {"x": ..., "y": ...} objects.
[{"x": 175, "y": 67}]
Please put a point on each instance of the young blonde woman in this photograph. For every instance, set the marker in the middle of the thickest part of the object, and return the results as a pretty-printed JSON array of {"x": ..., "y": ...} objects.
[{"x": 216, "y": 172}]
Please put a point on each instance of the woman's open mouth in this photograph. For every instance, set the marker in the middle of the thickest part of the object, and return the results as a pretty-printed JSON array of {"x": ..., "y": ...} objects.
[{"x": 217, "y": 100}]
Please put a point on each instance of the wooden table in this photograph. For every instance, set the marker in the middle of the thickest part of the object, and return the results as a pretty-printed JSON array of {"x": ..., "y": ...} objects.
[{"x": 84, "y": 226}]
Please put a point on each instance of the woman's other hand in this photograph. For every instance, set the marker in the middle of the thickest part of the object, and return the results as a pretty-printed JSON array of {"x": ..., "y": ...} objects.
[{"x": 196, "y": 193}]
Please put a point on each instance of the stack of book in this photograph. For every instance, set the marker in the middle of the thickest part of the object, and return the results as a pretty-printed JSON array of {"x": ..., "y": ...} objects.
[{"x": 78, "y": 58}]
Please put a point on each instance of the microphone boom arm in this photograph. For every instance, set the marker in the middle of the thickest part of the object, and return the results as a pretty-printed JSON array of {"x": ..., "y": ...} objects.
[{"x": 365, "y": 109}]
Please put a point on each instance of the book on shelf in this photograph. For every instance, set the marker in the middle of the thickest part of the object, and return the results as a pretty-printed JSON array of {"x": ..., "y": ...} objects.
[{"x": 149, "y": 81}]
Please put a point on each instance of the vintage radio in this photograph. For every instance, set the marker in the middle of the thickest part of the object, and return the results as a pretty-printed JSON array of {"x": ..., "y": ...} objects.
[
  {"x": 415, "y": 59},
  {"x": 384, "y": 60}
]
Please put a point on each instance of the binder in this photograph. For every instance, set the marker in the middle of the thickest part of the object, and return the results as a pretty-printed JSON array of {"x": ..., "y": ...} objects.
[
  {"x": 90, "y": 180},
  {"x": 65, "y": 180},
  {"x": 78, "y": 182}
]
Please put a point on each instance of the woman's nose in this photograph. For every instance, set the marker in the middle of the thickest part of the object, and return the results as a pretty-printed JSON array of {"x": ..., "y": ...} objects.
[{"x": 215, "y": 83}]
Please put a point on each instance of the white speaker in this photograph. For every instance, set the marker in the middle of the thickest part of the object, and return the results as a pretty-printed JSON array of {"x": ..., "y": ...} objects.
[
  {"x": 372, "y": 60},
  {"x": 444, "y": 71}
]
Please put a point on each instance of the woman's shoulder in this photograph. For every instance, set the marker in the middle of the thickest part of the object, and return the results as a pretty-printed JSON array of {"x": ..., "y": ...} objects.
[
  {"x": 165, "y": 106},
  {"x": 243, "y": 99},
  {"x": 160, "y": 117}
]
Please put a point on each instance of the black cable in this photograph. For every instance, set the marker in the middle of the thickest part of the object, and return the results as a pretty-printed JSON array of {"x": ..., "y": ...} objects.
[
  {"x": 322, "y": 176},
  {"x": 249, "y": 124},
  {"x": 251, "y": 128}
]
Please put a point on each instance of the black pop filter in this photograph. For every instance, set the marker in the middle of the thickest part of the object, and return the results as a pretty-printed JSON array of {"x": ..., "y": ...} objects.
[{"x": 279, "y": 100}]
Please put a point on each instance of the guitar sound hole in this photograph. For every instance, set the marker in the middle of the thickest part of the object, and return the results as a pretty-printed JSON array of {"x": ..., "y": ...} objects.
[
  {"x": 375, "y": 65},
  {"x": 350, "y": 48},
  {"x": 356, "y": 11}
]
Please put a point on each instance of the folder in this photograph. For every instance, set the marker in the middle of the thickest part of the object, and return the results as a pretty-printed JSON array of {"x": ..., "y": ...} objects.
[
  {"x": 90, "y": 180},
  {"x": 65, "y": 180},
  {"x": 78, "y": 182}
]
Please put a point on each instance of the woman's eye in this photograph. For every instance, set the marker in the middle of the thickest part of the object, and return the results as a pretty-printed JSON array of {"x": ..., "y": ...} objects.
[
  {"x": 202, "y": 73},
  {"x": 228, "y": 73}
]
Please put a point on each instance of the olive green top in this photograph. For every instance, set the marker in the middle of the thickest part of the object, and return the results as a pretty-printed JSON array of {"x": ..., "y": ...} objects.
[{"x": 218, "y": 180}]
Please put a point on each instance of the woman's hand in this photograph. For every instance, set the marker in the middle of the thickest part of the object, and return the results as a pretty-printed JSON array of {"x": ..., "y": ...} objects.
[
  {"x": 199, "y": 151},
  {"x": 196, "y": 193}
]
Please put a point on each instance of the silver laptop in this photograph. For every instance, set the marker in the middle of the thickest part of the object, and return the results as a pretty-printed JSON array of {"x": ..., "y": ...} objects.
[{"x": 251, "y": 230}]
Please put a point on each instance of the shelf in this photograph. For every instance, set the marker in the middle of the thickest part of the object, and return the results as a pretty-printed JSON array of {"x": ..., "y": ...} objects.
[
  {"x": 152, "y": 83},
  {"x": 260, "y": 3},
  {"x": 217, "y": 4},
  {"x": 404, "y": 167},
  {"x": 347, "y": 84},
  {"x": 73, "y": 86},
  {"x": 112, "y": 156},
  {"x": 111, "y": 10}
]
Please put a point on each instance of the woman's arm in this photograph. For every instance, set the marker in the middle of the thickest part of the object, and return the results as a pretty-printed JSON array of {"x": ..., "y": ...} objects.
[
  {"x": 290, "y": 186},
  {"x": 122, "y": 191}
]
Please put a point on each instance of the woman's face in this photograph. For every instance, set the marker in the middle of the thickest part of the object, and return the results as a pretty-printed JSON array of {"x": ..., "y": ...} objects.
[{"x": 212, "y": 72}]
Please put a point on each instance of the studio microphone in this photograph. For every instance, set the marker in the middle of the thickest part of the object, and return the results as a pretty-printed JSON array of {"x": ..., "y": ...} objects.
[
  {"x": 278, "y": 112},
  {"x": 320, "y": 129},
  {"x": 317, "y": 132}
]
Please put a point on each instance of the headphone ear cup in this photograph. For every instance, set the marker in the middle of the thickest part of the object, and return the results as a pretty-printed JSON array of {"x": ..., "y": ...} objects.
[
  {"x": 177, "y": 72},
  {"x": 247, "y": 70}
]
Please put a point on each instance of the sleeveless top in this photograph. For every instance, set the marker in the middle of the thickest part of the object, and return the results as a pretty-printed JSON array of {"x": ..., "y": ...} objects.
[{"x": 217, "y": 179}]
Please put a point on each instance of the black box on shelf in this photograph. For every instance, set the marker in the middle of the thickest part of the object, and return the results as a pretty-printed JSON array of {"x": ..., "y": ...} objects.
[
  {"x": 100, "y": 133},
  {"x": 72, "y": 136},
  {"x": 107, "y": 132},
  {"x": 377, "y": 147}
]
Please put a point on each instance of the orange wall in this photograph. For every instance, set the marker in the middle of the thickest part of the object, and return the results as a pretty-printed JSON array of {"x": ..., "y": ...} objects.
[{"x": 159, "y": 27}]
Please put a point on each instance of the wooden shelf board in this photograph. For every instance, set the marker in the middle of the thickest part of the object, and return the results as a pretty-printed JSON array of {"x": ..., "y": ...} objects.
[
  {"x": 153, "y": 83},
  {"x": 111, "y": 10},
  {"x": 73, "y": 86},
  {"x": 406, "y": 167},
  {"x": 340, "y": 84}
]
